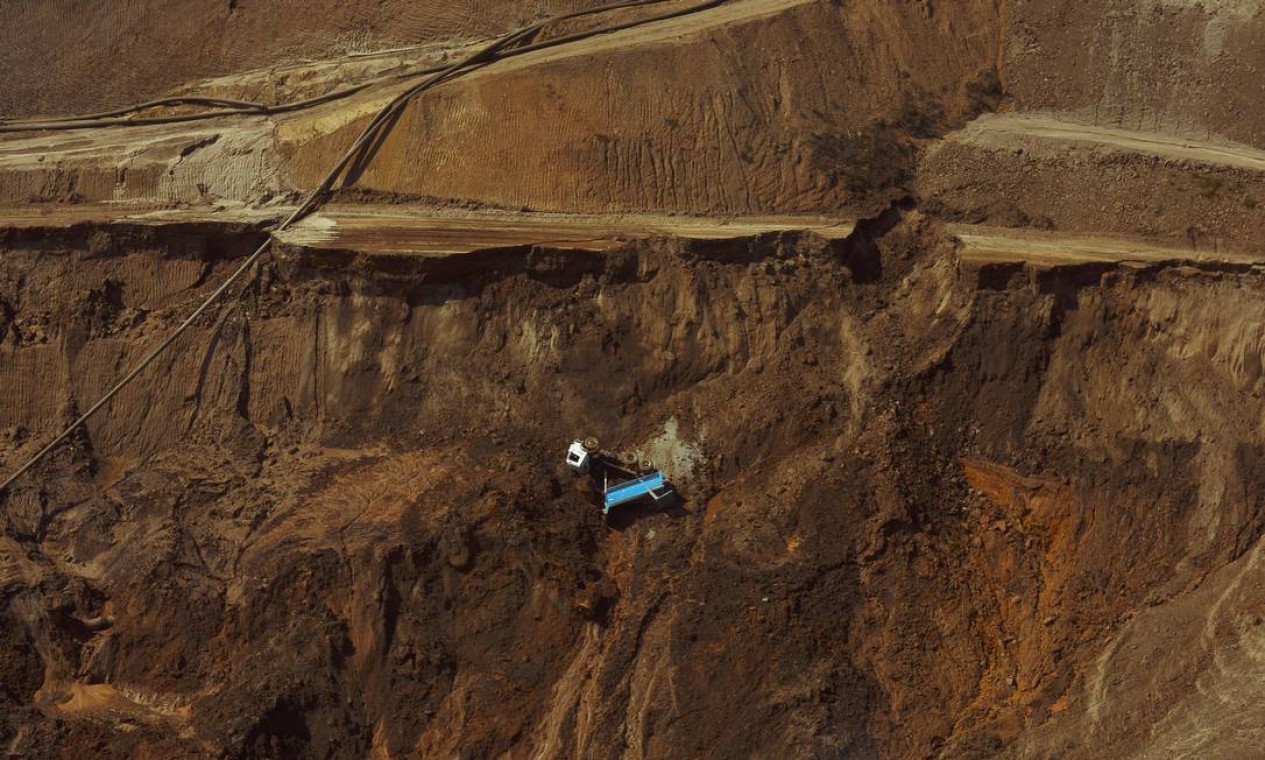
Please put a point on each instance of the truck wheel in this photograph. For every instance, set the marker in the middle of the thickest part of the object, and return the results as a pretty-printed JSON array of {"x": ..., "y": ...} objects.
[{"x": 590, "y": 444}]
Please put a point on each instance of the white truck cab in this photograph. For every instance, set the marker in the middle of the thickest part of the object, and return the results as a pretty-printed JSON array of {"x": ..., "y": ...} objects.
[{"x": 578, "y": 457}]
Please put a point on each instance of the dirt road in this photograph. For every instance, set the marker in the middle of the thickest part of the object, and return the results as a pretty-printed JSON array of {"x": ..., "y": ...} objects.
[
  {"x": 981, "y": 244},
  {"x": 1041, "y": 132},
  {"x": 391, "y": 230}
]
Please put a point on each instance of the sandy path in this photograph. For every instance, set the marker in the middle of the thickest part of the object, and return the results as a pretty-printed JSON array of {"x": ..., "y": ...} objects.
[
  {"x": 1023, "y": 130},
  {"x": 1000, "y": 245},
  {"x": 391, "y": 230},
  {"x": 426, "y": 231}
]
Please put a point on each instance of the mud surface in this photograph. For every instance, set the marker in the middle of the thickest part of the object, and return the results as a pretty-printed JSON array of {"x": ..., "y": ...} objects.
[{"x": 959, "y": 380}]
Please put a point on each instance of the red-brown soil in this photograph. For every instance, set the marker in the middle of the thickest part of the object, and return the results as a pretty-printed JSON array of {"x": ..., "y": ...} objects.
[{"x": 961, "y": 384}]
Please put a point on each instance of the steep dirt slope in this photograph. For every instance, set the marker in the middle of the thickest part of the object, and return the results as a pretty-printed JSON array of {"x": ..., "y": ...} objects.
[
  {"x": 467, "y": 391},
  {"x": 1178, "y": 66},
  {"x": 750, "y": 107},
  {"x": 356, "y": 489},
  {"x": 1038, "y": 172},
  {"x": 1135, "y": 117},
  {"x": 966, "y": 413},
  {"x": 740, "y": 111}
]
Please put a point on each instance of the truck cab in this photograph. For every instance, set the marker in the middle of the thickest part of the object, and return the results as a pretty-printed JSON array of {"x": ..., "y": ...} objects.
[{"x": 579, "y": 459}]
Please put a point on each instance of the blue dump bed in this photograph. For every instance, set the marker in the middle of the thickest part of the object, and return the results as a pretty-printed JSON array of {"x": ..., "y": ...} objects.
[{"x": 633, "y": 489}]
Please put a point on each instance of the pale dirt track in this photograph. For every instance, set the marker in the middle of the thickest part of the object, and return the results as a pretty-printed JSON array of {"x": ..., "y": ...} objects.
[
  {"x": 398, "y": 230},
  {"x": 436, "y": 232},
  {"x": 389, "y": 230},
  {"x": 1029, "y": 131},
  {"x": 996, "y": 245}
]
